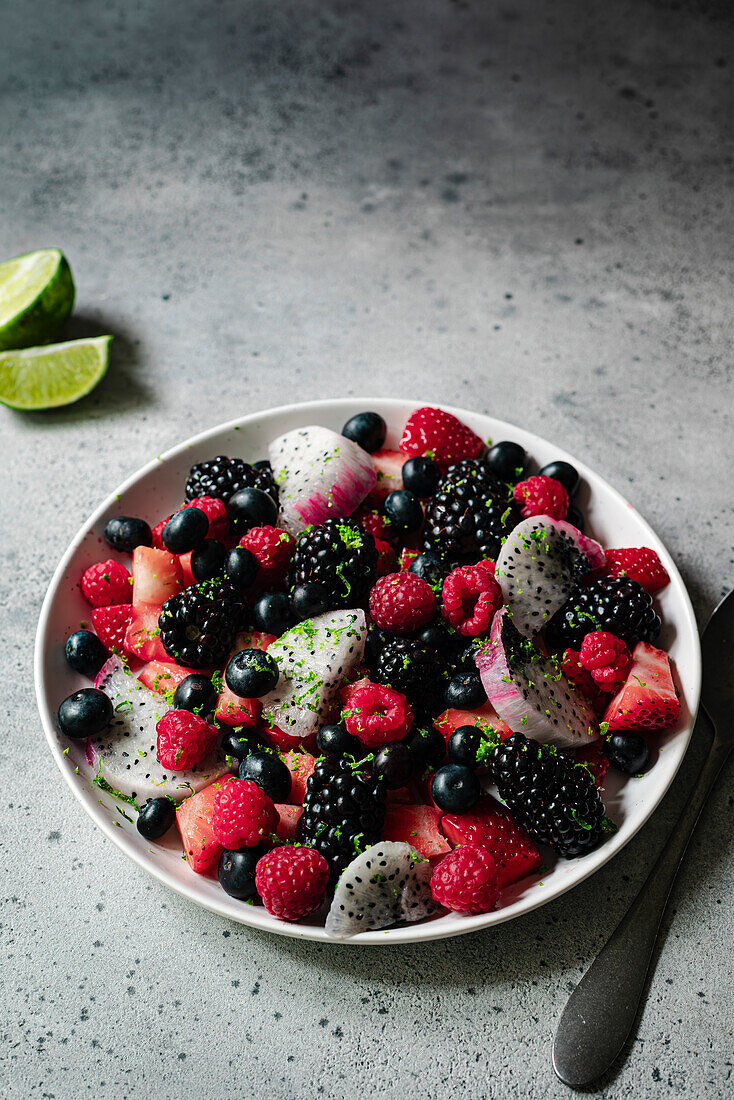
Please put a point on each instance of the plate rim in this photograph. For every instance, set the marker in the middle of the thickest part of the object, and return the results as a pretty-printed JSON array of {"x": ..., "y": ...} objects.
[{"x": 260, "y": 919}]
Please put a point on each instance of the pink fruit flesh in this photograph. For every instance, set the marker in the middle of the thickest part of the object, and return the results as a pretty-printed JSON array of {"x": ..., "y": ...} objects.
[
  {"x": 485, "y": 717},
  {"x": 162, "y": 677},
  {"x": 157, "y": 575},
  {"x": 417, "y": 826},
  {"x": 194, "y": 823},
  {"x": 288, "y": 818},
  {"x": 142, "y": 637},
  {"x": 389, "y": 471},
  {"x": 300, "y": 765},
  {"x": 234, "y": 711}
]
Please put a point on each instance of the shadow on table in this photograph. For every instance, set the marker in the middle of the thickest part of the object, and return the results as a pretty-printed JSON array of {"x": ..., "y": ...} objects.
[{"x": 121, "y": 389}]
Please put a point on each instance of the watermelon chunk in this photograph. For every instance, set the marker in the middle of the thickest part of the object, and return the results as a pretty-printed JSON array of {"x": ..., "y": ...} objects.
[
  {"x": 187, "y": 577},
  {"x": 143, "y": 637},
  {"x": 300, "y": 765},
  {"x": 194, "y": 823},
  {"x": 389, "y": 469},
  {"x": 253, "y": 639},
  {"x": 647, "y": 699},
  {"x": 162, "y": 676},
  {"x": 485, "y": 717},
  {"x": 287, "y": 742},
  {"x": 156, "y": 575},
  {"x": 417, "y": 826},
  {"x": 492, "y": 827},
  {"x": 288, "y": 818},
  {"x": 234, "y": 711}
]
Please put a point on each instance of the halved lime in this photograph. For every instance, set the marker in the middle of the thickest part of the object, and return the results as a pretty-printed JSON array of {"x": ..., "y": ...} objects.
[
  {"x": 58, "y": 374},
  {"x": 36, "y": 297}
]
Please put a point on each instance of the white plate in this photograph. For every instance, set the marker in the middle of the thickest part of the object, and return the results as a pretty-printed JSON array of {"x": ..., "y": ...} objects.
[{"x": 157, "y": 489}]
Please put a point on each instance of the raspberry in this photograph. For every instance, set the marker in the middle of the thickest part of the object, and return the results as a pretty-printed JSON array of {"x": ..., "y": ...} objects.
[
  {"x": 216, "y": 512},
  {"x": 242, "y": 814},
  {"x": 273, "y": 549},
  {"x": 582, "y": 680},
  {"x": 387, "y": 561},
  {"x": 471, "y": 596},
  {"x": 441, "y": 435},
  {"x": 292, "y": 881},
  {"x": 184, "y": 740},
  {"x": 541, "y": 496},
  {"x": 377, "y": 715},
  {"x": 402, "y": 603},
  {"x": 110, "y": 624},
  {"x": 639, "y": 563},
  {"x": 465, "y": 880},
  {"x": 375, "y": 523},
  {"x": 106, "y": 583},
  {"x": 606, "y": 658}
]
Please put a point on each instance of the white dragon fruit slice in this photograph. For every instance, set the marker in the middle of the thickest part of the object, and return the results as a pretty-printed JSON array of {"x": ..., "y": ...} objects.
[
  {"x": 313, "y": 658},
  {"x": 529, "y": 692},
  {"x": 540, "y": 562},
  {"x": 321, "y": 475},
  {"x": 125, "y": 754},
  {"x": 386, "y": 883}
]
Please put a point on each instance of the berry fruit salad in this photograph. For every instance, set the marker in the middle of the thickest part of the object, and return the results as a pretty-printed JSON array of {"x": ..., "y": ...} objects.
[{"x": 367, "y": 686}]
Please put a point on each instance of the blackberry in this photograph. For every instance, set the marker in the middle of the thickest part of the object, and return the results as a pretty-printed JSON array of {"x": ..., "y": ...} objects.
[
  {"x": 617, "y": 604},
  {"x": 413, "y": 670},
  {"x": 552, "y": 797},
  {"x": 343, "y": 811},
  {"x": 222, "y": 477},
  {"x": 334, "y": 565},
  {"x": 471, "y": 514},
  {"x": 198, "y": 626}
]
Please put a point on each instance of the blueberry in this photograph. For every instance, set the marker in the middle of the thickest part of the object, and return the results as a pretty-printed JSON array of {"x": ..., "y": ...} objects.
[
  {"x": 237, "y": 871},
  {"x": 196, "y": 694},
  {"x": 85, "y": 713},
  {"x": 185, "y": 530},
  {"x": 273, "y": 614},
  {"x": 465, "y": 691},
  {"x": 207, "y": 561},
  {"x": 429, "y": 567},
  {"x": 439, "y": 636},
  {"x": 367, "y": 429},
  {"x": 574, "y": 517},
  {"x": 85, "y": 653},
  {"x": 270, "y": 774},
  {"x": 156, "y": 817},
  {"x": 393, "y": 764},
  {"x": 124, "y": 533},
  {"x": 455, "y": 789},
  {"x": 335, "y": 741},
  {"x": 507, "y": 460},
  {"x": 308, "y": 600},
  {"x": 251, "y": 508},
  {"x": 564, "y": 472},
  {"x": 404, "y": 511},
  {"x": 251, "y": 673},
  {"x": 463, "y": 746},
  {"x": 240, "y": 567},
  {"x": 428, "y": 747},
  {"x": 421, "y": 476},
  {"x": 628, "y": 752},
  {"x": 236, "y": 743}
]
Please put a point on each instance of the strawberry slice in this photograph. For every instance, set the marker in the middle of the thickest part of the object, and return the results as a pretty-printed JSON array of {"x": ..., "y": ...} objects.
[
  {"x": 647, "y": 699},
  {"x": 110, "y": 624},
  {"x": 492, "y": 827},
  {"x": 441, "y": 435},
  {"x": 389, "y": 468}
]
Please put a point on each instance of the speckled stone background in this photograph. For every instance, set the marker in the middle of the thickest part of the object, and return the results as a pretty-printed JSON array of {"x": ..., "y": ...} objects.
[{"x": 520, "y": 207}]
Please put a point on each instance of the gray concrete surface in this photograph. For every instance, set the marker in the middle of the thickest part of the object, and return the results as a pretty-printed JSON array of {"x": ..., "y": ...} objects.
[{"x": 521, "y": 207}]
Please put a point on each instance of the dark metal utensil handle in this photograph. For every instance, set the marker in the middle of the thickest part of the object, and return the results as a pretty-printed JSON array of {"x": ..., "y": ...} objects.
[{"x": 602, "y": 1009}]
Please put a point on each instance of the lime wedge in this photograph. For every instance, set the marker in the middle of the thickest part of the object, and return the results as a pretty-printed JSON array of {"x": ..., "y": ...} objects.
[
  {"x": 36, "y": 297},
  {"x": 58, "y": 374}
]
